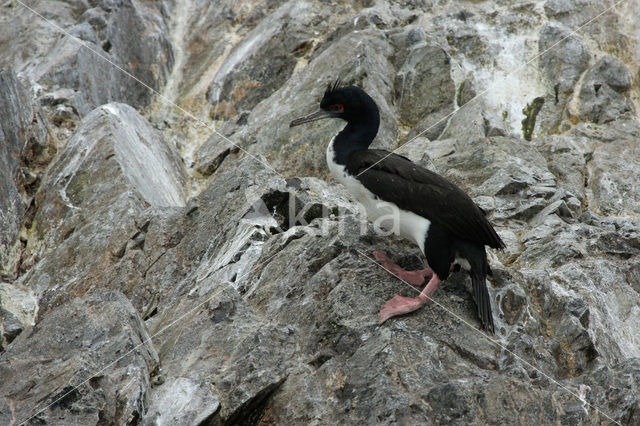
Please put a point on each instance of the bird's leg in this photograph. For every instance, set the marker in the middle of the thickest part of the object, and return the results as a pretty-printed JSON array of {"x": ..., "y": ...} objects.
[
  {"x": 416, "y": 277},
  {"x": 399, "y": 305}
]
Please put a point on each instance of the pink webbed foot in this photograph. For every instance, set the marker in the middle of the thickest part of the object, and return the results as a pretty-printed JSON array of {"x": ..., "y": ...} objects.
[
  {"x": 417, "y": 277},
  {"x": 399, "y": 305}
]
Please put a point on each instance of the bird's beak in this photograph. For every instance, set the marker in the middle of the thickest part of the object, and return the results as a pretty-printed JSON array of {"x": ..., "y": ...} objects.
[{"x": 318, "y": 115}]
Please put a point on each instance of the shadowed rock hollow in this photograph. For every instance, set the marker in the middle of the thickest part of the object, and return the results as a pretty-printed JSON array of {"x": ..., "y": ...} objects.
[{"x": 175, "y": 254}]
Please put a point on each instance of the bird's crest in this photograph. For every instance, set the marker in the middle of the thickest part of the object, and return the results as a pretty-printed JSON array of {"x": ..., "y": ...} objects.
[{"x": 332, "y": 87}]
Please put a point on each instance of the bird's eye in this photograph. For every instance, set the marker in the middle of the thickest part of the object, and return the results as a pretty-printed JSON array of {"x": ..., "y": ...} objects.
[{"x": 336, "y": 108}]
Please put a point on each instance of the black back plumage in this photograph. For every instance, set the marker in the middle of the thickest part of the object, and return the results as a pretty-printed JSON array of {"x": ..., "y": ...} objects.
[{"x": 398, "y": 180}]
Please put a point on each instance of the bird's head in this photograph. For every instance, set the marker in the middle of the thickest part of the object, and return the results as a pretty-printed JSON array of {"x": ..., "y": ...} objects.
[{"x": 349, "y": 103}]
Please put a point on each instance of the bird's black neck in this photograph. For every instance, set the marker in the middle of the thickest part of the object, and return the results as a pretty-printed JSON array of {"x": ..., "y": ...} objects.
[{"x": 354, "y": 137}]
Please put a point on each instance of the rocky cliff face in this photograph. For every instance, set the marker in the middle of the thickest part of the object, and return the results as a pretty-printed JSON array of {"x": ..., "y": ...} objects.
[{"x": 172, "y": 253}]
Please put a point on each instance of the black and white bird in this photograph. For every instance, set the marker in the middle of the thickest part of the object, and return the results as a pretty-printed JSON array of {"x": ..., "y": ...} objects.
[{"x": 414, "y": 202}]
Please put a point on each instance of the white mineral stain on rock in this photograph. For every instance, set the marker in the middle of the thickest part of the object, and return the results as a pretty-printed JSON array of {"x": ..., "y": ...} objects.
[
  {"x": 616, "y": 320},
  {"x": 261, "y": 34},
  {"x": 511, "y": 80},
  {"x": 178, "y": 35},
  {"x": 21, "y": 302},
  {"x": 144, "y": 160},
  {"x": 182, "y": 400}
]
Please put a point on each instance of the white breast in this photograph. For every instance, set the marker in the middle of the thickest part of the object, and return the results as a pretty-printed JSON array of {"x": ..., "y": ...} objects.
[{"x": 386, "y": 217}]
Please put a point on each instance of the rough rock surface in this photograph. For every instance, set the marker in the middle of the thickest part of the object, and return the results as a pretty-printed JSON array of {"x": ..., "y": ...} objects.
[
  {"x": 93, "y": 207},
  {"x": 64, "y": 356},
  {"x": 425, "y": 90},
  {"x": 563, "y": 59},
  {"x": 15, "y": 115},
  {"x": 183, "y": 258},
  {"x": 101, "y": 41},
  {"x": 601, "y": 98}
]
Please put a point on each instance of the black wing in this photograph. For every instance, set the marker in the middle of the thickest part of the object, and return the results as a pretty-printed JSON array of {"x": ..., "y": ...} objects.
[{"x": 411, "y": 187}]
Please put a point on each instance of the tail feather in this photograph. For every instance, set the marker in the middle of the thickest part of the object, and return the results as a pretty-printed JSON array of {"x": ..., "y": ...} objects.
[
  {"x": 476, "y": 255},
  {"x": 483, "y": 301}
]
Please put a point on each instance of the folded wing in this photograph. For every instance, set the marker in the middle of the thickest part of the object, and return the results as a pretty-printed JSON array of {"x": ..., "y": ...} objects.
[{"x": 397, "y": 179}]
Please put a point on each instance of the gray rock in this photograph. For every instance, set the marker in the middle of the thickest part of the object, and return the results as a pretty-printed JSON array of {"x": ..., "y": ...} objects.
[
  {"x": 558, "y": 207},
  {"x": 84, "y": 31},
  {"x": 624, "y": 127},
  {"x": 235, "y": 351},
  {"x": 88, "y": 361},
  {"x": 567, "y": 159},
  {"x": 181, "y": 401},
  {"x": 18, "y": 309},
  {"x": 25, "y": 149},
  {"x": 25, "y": 38},
  {"x": 207, "y": 43},
  {"x": 236, "y": 211},
  {"x": 415, "y": 151},
  {"x": 15, "y": 115},
  {"x": 133, "y": 39},
  {"x": 472, "y": 119},
  {"x": 609, "y": 31},
  {"x": 335, "y": 345},
  {"x": 466, "y": 91},
  {"x": 468, "y": 123},
  {"x": 564, "y": 57},
  {"x": 326, "y": 335},
  {"x": 212, "y": 153},
  {"x": 611, "y": 71},
  {"x": 599, "y": 99},
  {"x": 261, "y": 63},
  {"x": 611, "y": 180},
  {"x": 424, "y": 90},
  {"x": 90, "y": 220},
  {"x": 488, "y": 167},
  {"x": 244, "y": 204},
  {"x": 10, "y": 327},
  {"x": 607, "y": 275},
  {"x": 463, "y": 36},
  {"x": 622, "y": 379}
]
